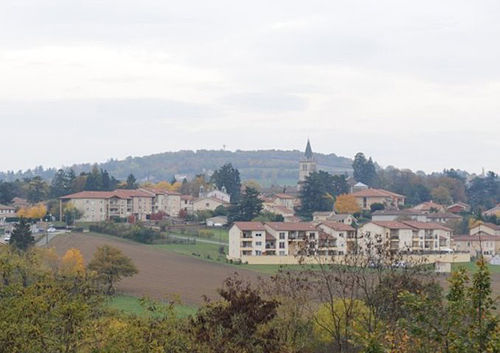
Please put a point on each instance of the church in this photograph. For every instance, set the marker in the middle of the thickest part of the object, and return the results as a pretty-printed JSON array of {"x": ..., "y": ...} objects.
[{"x": 307, "y": 165}]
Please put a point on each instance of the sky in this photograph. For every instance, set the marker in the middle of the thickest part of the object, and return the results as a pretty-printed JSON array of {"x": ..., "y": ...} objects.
[{"x": 414, "y": 84}]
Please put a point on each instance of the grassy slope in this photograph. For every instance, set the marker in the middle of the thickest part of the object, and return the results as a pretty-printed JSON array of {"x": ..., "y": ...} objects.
[
  {"x": 471, "y": 267},
  {"x": 131, "y": 305}
]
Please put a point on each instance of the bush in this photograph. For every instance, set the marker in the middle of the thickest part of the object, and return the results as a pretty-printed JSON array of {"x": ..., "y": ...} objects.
[
  {"x": 206, "y": 233},
  {"x": 137, "y": 232},
  {"x": 377, "y": 207}
]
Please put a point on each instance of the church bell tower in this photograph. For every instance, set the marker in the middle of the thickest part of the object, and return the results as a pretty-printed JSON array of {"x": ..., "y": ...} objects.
[{"x": 307, "y": 165}]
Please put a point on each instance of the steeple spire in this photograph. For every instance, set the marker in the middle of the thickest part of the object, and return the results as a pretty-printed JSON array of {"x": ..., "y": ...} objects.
[{"x": 309, "y": 152}]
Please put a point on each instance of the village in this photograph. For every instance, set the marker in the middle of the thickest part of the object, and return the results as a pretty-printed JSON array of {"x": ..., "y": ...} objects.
[{"x": 423, "y": 229}]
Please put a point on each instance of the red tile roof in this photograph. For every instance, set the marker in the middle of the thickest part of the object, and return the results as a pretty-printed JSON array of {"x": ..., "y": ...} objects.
[
  {"x": 250, "y": 225},
  {"x": 376, "y": 193},
  {"x": 187, "y": 197},
  {"x": 119, "y": 193},
  {"x": 291, "y": 226},
  {"x": 342, "y": 227},
  {"x": 489, "y": 225},
  {"x": 392, "y": 224},
  {"x": 426, "y": 225}
]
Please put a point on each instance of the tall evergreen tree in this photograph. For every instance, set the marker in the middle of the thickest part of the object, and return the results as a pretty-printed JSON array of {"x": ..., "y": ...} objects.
[
  {"x": 317, "y": 194},
  {"x": 364, "y": 170},
  {"x": 21, "y": 236},
  {"x": 58, "y": 185},
  {"x": 131, "y": 182},
  {"x": 228, "y": 177},
  {"x": 247, "y": 208}
]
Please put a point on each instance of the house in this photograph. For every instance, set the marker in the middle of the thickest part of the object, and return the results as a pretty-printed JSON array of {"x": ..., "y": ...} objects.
[
  {"x": 250, "y": 239},
  {"x": 487, "y": 245},
  {"x": 396, "y": 236},
  {"x": 6, "y": 212},
  {"x": 485, "y": 228},
  {"x": 19, "y": 202},
  {"x": 430, "y": 236},
  {"x": 495, "y": 211},
  {"x": 272, "y": 238},
  {"x": 218, "y": 221},
  {"x": 168, "y": 202},
  {"x": 97, "y": 206},
  {"x": 458, "y": 207},
  {"x": 345, "y": 218},
  {"x": 367, "y": 197},
  {"x": 278, "y": 209},
  {"x": 341, "y": 238},
  {"x": 187, "y": 203},
  {"x": 429, "y": 206},
  {"x": 208, "y": 203},
  {"x": 393, "y": 215},
  {"x": 285, "y": 200},
  {"x": 442, "y": 217},
  {"x": 220, "y": 195}
]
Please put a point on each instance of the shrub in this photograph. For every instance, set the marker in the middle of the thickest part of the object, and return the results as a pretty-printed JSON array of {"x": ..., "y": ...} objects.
[
  {"x": 137, "y": 232},
  {"x": 206, "y": 233}
]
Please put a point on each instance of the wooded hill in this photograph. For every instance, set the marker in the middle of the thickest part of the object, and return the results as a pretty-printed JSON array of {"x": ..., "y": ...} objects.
[{"x": 267, "y": 167}]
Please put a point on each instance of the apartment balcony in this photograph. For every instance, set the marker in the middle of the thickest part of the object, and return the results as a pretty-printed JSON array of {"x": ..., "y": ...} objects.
[
  {"x": 246, "y": 235},
  {"x": 246, "y": 245}
]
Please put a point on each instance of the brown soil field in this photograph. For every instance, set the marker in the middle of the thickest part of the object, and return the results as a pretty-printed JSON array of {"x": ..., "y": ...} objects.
[{"x": 162, "y": 274}]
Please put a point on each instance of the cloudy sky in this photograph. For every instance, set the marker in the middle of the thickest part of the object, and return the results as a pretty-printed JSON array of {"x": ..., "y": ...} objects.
[{"x": 411, "y": 83}]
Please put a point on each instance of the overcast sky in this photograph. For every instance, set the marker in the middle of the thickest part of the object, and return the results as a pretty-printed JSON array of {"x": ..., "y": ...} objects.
[{"x": 413, "y": 84}]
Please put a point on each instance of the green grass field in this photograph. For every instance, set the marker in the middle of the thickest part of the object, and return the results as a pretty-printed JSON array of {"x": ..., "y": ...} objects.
[
  {"x": 221, "y": 235},
  {"x": 203, "y": 251},
  {"x": 131, "y": 305},
  {"x": 471, "y": 267}
]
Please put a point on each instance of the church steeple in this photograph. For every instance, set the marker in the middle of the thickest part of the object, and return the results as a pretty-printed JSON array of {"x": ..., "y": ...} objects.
[
  {"x": 307, "y": 164},
  {"x": 309, "y": 152}
]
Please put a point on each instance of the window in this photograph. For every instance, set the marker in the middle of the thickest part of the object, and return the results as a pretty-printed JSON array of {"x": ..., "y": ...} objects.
[
  {"x": 282, "y": 244},
  {"x": 258, "y": 252},
  {"x": 282, "y": 253},
  {"x": 258, "y": 243},
  {"x": 258, "y": 234},
  {"x": 282, "y": 236}
]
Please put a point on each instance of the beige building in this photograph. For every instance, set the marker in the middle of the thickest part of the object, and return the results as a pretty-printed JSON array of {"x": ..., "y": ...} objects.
[
  {"x": 97, "y": 206},
  {"x": 345, "y": 218},
  {"x": 487, "y": 245},
  {"x": 168, "y": 202},
  {"x": 6, "y": 212},
  {"x": 340, "y": 238},
  {"x": 395, "y": 235},
  {"x": 367, "y": 197},
  {"x": 208, "y": 203},
  {"x": 484, "y": 228},
  {"x": 430, "y": 236},
  {"x": 285, "y": 200},
  {"x": 272, "y": 239},
  {"x": 278, "y": 209},
  {"x": 187, "y": 203}
]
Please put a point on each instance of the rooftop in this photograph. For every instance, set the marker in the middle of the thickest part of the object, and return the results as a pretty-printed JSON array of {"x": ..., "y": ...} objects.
[
  {"x": 250, "y": 225},
  {"x": 392, "y": 224},
  {"x": 291, "y": 226},
  {"x": 376, "y": 193}
]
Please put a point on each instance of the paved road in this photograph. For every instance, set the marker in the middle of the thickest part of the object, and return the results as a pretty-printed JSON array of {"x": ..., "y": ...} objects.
[
  {"x": 198, "y": 239},
  {"x": 45, "y": 239}
]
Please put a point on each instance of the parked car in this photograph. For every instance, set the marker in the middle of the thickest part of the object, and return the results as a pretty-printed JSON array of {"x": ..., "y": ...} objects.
[
  {"x": 51, "y": 230},
  {"x": 6, "y": 238}
]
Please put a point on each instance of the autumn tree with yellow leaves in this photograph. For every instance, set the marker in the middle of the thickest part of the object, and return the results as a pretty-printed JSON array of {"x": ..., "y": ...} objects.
[{"x": 346, "y": 204}]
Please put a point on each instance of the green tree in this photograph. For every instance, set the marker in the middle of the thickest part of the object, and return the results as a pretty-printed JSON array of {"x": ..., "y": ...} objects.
[
  {"x": 37, "y": 190},
  {"x": 131, "y": 182},
  {"x": 484, "y": 192},
  {"x": 229, "y": 177},
  {"x": 364, "y": 170},
  {"x": 441, "y": 195},
  {"x": 58, "y": 187},
  {"x": 317, "y": 194},
  {"x": 21, "y": 236},
  {"x": 111, "y": 265},
  {"x": 239, "y": 323},
  {"x": 247, "y": 208},
  {"x": 8, "y": 191}
]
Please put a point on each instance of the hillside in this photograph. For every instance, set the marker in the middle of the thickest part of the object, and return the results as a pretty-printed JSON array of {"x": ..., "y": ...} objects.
[{"x": 265, "y": 166}]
